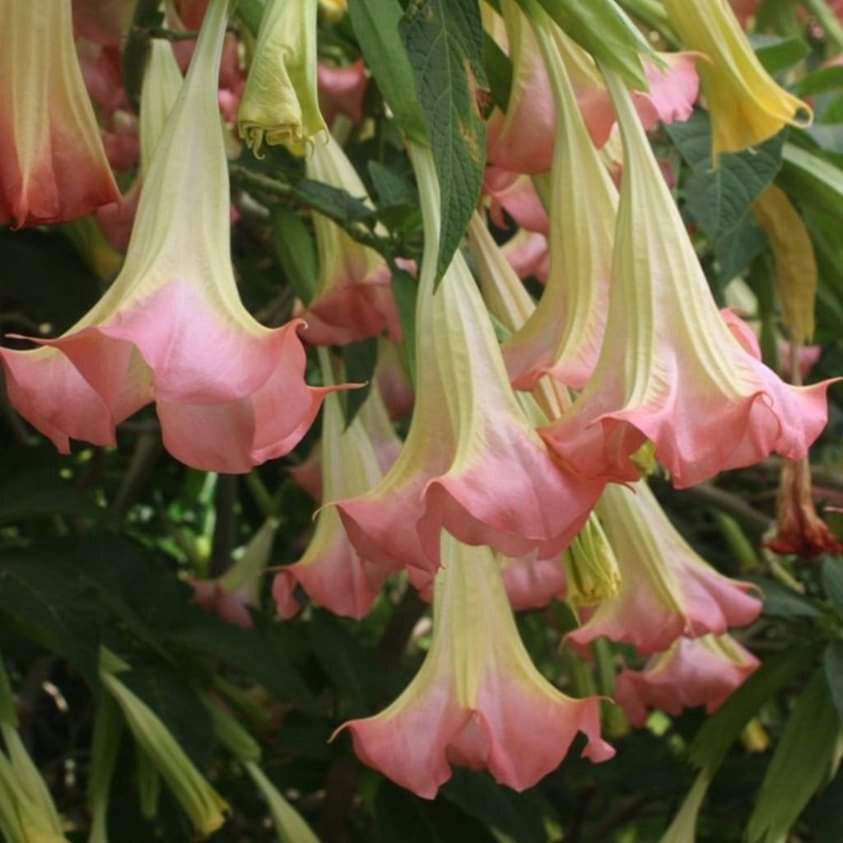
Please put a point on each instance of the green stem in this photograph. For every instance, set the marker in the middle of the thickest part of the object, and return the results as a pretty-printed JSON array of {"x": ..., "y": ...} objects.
[{"x": 827, "y": 20}]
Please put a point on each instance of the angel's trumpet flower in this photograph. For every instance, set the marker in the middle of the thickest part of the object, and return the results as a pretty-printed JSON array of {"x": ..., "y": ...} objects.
[
  {"x": 230, "y": 393},
  {"x": 342, "y": 90},
  {"x": 280, "y": 104},
  {"x": 670, "y": 369},
  {"x": 354, "y": 300},
  {"x": 563, "y": 336},
  {"x": 747, "y": 106},
  {"x": 52, "y": 162},
  {"x": 522, "y": 140},
  {"x": 693, "y": 672},
  {"x": 468, "y": 432},
  {"x": 331, "y": 571},
  {"x": 478, "y": 701},
  {"x": 666, "y": 589},
  {"x": 800, "y": 528},
  {"x": 532, "y": 583}
]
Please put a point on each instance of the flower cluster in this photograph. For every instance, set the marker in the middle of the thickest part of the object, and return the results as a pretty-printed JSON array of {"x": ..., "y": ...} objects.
[{"x": 523, "y": 477}]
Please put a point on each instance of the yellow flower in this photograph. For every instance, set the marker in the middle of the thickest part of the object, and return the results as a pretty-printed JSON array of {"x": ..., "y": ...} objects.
[
  {"x": 281, "y": 102},
  {"x": 747, "y": 106}
]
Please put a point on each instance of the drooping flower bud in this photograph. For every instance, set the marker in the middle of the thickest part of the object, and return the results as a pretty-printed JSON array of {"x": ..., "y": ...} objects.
[
  {"x": 666, "y": 590},
  {"x": 747, "y": 106},
  {"x": 693, "y": 672},
  {"x": 670, "y": 370},
  {"x": 230, "y": 393},
  {"x": 281, "y": 102},
  {"x": 331, "y": 570},
  {"x": 205, "y": 807},
  {"x": 592, "y": 569},
  {"x": 354, "y": 299},
  {"x": 52, "y": 162},
  {"x": 477, "y": 701}
]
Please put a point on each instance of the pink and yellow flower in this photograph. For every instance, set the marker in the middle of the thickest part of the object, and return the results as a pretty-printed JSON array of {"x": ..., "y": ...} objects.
[
  {"x": 468, "y": 431},
  {"x": 52, "y": 162},
  {"x": 478, "y": 701},
  {"x": 331, "y": 571},
  {"x": 229, "y": 393},
  {"x": 670, "y": 369},
  {"x": 666, "y": 591},
  {"x": 354, "y": 299},
  {"x": 693, "y": 672}
]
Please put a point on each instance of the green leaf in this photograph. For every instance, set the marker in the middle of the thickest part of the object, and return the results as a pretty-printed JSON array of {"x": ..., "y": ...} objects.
[
  {"x": 833, "y": 582},
  {"x": 717, "y": 734},
  {"x": 334, "y": 202},
  {"x": 720, "y": 200},
  {"x": 296, "y": 252},
  {"x": 603, "y": 29},
  {"x": 360, "y": 359},
  {"x": 498, "y": 71},
  {"x": 820, "y": 81},
  {"x": 392, "y": 188},
  {"x": 375, "y": 24},
  {"x": 812, "y": 181},
  {"x": 834, "y": 673},
  {"x": 444, "y": 39},
  {"x": 800, "y": 765},
  {"x": 518, "y": 816},
  {"x": 39, "y": 493},
  {"x": 401, "y": 816},
  {"x": 782, "y": 602},
  {"x": 778, "y": 54}
]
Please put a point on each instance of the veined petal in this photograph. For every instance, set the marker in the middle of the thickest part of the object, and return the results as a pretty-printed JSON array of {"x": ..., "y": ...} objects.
[
  {"x": 666, "y": 589},
  {"x": 670, "y": 370},
  {"x": 52, "y": 162},
  {"x": 478, "y": 701}
]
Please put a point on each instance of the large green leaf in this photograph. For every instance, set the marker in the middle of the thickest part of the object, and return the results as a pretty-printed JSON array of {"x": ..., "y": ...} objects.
[
  {"x": 375, "y": 24},
  {"x": 444, "y": 40},
  {"x": 720, "y": 199},
  {"x": 813, "y": 181},
  {"x": 800, "y": 764}
]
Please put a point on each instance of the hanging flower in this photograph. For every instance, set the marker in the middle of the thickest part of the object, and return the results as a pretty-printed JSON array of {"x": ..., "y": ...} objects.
[
  {"x": 354, "y": 300},
  {"x": 800, "y": 528},
  {"x": 563, "y": 335},
  {"x": 478, "y": 701},
  {"x": 229, "y": 393},
  {"x": 52, "y": 163},
  {"x": 104, "y": 22},
  {"x": 342, "y": 89},
  {"x": 516, "y": 194},
  {"x": 532, "y": 583},
  {"x": 522, "y": 139},
  {"x": 693, "y": 672},
  {"x": 331, "y": 571},
  {"x": 666, "y": 590},
  {"x": 281, "y": 104},
  {"x": 528, "y": 254},
  {"x": 670, "y": 369},
  {"x": 231, "y": 595},
  {"x": 468, "y": 431},
  {"x": 747, "y": 107}
]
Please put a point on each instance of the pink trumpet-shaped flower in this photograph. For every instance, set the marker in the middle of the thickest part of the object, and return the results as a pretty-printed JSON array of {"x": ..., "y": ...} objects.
[
  {"x": 478, "y": 701},
  {"x": 230, "y": 393},
  {"x": 562, "y": 337},
  {"x": 467, "y": 433},
  {"x": 532, "y": 583},
  {"x": 515, "y": 194},
  {"x": 342, "y": 90},
  {"x": 104, "y": 22},
  {"x": 528, "y": 254},
  {"x": 52, "y": 162},
  {"x": 354, "y": 300},
  {"x": 744, "y": 10},
  {"x": 670, "y": 369},
  {"x": 331, "y": 571},
  {"x": 522, "y": 140},
  {"x": 239, "y": 588},
  {"x": 666, "y": 590},
  {"x": 693, "y": 672}
]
